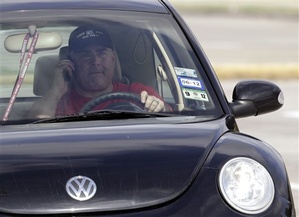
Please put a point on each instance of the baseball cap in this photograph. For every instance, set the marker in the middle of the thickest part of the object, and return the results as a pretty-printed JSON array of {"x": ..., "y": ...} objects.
[{"x": 89, "y": 34}]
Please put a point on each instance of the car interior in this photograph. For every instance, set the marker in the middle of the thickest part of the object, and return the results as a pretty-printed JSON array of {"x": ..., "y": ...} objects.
[{"x": 143, "y": 56}]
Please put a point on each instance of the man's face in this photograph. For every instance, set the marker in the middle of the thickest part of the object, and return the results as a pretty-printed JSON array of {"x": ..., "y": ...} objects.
[{"x": 94, "y": 68}]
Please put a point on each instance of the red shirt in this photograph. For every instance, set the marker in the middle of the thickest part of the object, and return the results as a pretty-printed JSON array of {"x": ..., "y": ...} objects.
[{"x": 72, "y": 102}]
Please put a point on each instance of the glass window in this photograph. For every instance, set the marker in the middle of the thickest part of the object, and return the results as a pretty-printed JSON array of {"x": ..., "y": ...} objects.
[{"x": 150, "y": 49}]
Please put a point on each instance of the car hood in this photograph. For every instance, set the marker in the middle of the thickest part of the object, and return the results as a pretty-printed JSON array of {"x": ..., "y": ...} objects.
[{"x": 132, "y": 164}]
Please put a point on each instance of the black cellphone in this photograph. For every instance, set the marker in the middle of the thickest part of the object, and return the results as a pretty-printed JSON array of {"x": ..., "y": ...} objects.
[{"x": 66, "y": 75}]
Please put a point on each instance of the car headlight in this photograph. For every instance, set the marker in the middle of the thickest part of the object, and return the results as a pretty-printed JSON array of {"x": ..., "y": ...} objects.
[{"x": 246, "y": 185}]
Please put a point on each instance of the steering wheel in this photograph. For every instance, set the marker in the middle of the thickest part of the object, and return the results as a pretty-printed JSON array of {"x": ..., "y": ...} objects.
[{"x": 117, "y": 105}]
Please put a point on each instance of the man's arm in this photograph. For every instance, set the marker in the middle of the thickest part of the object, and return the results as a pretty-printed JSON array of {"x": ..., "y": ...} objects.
[{"x": 45, "y": 107}]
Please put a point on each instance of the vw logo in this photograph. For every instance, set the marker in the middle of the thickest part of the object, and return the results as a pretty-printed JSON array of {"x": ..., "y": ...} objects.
[{"x": 81, "y": 188}]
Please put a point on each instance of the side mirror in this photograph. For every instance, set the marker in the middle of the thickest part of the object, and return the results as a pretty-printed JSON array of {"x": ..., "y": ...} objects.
[{"x": 252, "y": 98}]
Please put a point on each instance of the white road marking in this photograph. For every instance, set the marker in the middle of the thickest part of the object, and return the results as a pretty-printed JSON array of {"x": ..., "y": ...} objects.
[
  {"x": 291, "y": 114},
  {"x": 295, "y": 186},
  {"x": 224, "y": 45}
]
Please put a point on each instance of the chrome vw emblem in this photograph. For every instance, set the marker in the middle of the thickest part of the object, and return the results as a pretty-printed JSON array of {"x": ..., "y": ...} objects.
[{"x": 81, "y": 188}]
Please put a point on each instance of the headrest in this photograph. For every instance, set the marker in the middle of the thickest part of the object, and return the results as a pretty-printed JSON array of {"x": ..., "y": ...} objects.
[{"x": 43, "y": 74}]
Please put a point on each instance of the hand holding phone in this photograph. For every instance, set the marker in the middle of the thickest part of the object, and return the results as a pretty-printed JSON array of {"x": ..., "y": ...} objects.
[
  {"x": 68, "y": 71},
  {"x": 63, "y": 76},
  {"x": 68, "y": 68}
]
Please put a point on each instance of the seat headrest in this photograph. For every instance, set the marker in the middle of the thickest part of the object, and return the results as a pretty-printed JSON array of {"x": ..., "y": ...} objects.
[{"x": 43, "y": 74}]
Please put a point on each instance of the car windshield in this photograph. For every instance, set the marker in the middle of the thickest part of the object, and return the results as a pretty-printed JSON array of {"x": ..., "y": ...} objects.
[{"x": 149, "y": 50}]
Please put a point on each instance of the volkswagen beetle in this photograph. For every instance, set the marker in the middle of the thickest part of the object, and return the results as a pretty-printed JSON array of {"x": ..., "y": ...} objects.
[{"x": 187, "y": 158}]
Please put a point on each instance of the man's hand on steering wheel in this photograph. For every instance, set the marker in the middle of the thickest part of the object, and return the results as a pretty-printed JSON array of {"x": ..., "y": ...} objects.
[
  {"x": 143, "y": 102},
  {"x": 151, "y": 103}
]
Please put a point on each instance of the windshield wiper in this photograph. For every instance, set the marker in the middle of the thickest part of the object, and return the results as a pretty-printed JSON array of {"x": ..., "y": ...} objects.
[{"x": 103, "y": 115}]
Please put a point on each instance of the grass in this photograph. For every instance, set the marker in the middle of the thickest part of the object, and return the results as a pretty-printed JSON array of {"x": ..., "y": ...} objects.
[{"x": 264, "y": 71}]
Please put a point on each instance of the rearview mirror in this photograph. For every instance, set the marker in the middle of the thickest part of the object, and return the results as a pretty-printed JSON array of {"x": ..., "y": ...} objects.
[
  {"x": 46, "y": 41},
  {"x": 252, "y": 98}
]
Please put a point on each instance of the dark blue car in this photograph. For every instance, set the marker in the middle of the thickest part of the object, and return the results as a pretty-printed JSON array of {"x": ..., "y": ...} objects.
[{"x": 111, "y": 108}]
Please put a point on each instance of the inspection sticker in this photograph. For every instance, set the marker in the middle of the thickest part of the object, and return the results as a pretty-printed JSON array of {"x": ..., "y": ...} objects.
[
  {"x": 195, "y": 94},
  {"x": 192, "y": 83},
  {"x": 185, "y": 72}
]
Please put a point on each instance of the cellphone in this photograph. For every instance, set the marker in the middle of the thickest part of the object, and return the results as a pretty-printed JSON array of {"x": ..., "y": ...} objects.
[{"x": 66, "y": 75}]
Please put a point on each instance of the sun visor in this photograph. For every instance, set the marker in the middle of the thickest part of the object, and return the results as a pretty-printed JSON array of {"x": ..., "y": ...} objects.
[{"x": 46, "y": 41}]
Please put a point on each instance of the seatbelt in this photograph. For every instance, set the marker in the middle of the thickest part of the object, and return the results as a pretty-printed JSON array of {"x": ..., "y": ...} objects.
[{"x": 22, "y": 69}]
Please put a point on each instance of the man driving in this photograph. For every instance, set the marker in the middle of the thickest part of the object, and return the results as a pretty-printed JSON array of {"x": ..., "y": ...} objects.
[{"x": 86, "y": 74}]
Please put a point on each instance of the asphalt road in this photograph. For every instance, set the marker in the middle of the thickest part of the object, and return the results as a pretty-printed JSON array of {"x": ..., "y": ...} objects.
[{"x": 244, "y": 40}]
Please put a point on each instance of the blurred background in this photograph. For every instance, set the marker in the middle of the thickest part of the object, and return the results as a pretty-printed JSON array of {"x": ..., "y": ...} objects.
[{"x": 255, "y": 39}]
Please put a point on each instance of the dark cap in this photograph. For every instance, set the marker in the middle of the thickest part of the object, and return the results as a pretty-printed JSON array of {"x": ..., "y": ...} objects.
[{"x": 86, "y": 35}]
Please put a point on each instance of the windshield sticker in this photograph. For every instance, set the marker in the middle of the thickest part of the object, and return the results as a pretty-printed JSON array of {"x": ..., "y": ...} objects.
[
  {"x": 195, "y": 94},
  {"x": 185, "y": 72},
  {"x": 192, "y": 83}
]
